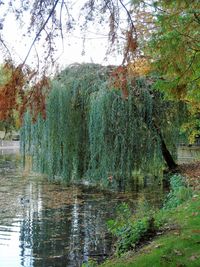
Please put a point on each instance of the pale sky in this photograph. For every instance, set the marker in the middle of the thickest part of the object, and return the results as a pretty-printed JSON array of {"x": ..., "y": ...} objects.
[{"x": 70, "y": 52}]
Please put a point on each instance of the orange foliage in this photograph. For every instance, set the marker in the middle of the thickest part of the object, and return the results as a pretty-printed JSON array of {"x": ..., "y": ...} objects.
[
  {"x": 120, "y": 75},
  {"x": 130, "y": 46},
  {"x": 11, "y": 90},
  {"x": 16, "y": 97},
  {"x": 37, "y": 97},
  {"x": 119, "y": 80},
  {"x": 139, "y": 67}
]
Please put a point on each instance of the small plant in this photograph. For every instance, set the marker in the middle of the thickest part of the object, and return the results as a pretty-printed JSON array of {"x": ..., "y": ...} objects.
[
  {"x": 90, "y": 263},
  {"x": 130, "y": 235},
  {"x": 123, "y": 217},
  {"x": 179, "y": 192},
  {"x": 129, "y": 229},
  {"x": 143, "y": 208}
]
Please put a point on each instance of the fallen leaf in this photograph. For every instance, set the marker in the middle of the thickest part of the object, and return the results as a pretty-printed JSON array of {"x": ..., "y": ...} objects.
[
  {"x": 158, "y": 246},
  {"x": 176, "y": 233},
  {"x": 196, "y": 231},
  {"x": 193, "y": 258},
  {"x": 195, "y": 214},
  {"x": 178, "y": 252}
]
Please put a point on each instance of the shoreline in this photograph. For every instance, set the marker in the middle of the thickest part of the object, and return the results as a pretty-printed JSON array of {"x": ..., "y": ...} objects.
[{"x": 9, "y": 147}]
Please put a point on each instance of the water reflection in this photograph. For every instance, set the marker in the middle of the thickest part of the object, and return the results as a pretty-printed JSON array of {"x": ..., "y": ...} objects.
[
  {"x": 9, "y": 147},
  {"x": 45, "y": 224}
]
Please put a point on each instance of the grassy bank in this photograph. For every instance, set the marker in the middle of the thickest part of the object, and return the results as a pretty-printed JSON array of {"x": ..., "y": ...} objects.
[
  {"x": 177, "y": 239},
  {"x": 177, "y": 245}
]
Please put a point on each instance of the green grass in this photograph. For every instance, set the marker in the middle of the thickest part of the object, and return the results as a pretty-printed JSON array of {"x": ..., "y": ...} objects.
[{"x": 179, "y": 246}]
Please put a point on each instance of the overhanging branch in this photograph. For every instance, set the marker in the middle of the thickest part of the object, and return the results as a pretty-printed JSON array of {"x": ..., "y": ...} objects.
[{"x": 39, "y": 32}]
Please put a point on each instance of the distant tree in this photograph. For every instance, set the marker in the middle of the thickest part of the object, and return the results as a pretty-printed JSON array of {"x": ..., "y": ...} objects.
[{"x": 7, "y": 126}]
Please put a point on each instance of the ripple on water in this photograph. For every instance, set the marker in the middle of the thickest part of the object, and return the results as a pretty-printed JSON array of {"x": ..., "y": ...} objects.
[{"x": 46, "y": 224}]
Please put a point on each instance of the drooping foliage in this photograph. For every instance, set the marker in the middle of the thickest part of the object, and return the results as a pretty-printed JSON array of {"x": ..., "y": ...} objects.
[{"x": 91, "y": 131}]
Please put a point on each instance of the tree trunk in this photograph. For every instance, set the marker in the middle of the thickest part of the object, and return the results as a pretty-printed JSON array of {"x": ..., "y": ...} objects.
[
  {"x": 165, "y": 152},
  {"x": 6, "y": 131},
  {"x": 167, "y": 155}
]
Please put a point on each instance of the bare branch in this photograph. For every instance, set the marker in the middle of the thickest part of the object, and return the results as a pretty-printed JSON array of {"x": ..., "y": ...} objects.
[
  {"x": 41, "y": 29},
  {"x": 197, "y": 18},
  {"x": 38, "y": 60},
  {"x": 129, "y": 16},
  {"x": 5, "y": 46}
]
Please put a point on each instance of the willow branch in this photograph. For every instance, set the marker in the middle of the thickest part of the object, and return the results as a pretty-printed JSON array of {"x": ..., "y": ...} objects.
[
  {"x": 5, "y": 46},
  {"x": 129, "y": 16}
]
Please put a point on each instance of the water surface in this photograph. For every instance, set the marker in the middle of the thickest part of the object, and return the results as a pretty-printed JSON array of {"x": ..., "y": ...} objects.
[{"x": 44, "y": 224}]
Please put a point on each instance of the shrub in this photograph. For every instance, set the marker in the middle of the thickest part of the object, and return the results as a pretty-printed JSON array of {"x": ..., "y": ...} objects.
[
  {"x": 129, "y": 229},
  {"x": 179, "y": 192},
  {"x": 130, "y": 235},
  {"x": 90, "y": 263}
]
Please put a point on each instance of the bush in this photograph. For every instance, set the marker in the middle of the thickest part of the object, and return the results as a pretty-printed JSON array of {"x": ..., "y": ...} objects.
[
  {"x": 130, "y": 230},
  {"x": 131, "y": 235},
  {"x": 179, "y": 192},
  {"x": 90, "y": 263}
]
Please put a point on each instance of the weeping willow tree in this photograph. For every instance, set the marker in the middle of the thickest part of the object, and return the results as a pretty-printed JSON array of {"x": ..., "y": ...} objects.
[{"x": 91, "y": 132}]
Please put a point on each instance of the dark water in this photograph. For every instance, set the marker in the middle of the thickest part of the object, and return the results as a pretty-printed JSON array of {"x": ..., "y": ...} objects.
[{"x": 43, "y": 224}]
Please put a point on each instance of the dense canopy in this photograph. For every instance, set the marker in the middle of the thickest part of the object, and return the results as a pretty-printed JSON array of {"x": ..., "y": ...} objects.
[{"x": 92, "y": 132}]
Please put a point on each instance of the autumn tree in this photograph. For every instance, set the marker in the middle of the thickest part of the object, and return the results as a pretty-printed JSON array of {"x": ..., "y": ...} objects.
[
  {"x": 129, "y": 28},
  {"x": 175, "y": 52},
  {"x": 42, "y": 22},
  {"x": 8, "y": 98},
  {"x": 16, "y": 94}
]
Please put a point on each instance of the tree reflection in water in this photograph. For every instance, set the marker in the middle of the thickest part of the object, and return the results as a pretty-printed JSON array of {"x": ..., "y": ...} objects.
[
  {"x": 48, "y": 224},
  {"x": 66, "y": 236}
]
